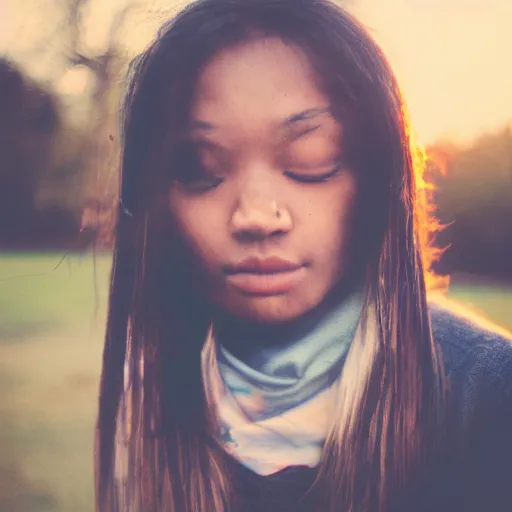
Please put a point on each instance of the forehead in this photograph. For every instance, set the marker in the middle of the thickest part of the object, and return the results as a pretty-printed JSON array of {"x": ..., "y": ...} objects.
[{"x": 260, "y": 80}]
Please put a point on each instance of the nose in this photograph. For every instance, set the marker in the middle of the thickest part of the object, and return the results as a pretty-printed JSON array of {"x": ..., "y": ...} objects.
[{"x": 258, "y": 218}]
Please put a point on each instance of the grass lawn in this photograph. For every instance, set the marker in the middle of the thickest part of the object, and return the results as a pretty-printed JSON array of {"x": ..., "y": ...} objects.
[{"x": 51, "y": 333}]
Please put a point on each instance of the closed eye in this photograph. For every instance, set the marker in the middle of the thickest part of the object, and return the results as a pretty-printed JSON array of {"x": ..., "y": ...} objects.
[
  {"x": 188, "y": 171},
  {"x": 201, "y": 183},
  {"x": 314, "y": 178}
]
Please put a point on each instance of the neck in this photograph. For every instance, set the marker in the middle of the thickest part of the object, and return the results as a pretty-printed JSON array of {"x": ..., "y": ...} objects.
[{"x": 240, "y": 335}]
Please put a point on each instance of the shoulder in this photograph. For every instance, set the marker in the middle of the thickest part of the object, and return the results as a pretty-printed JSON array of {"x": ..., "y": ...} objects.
[
  {"x": 470, "y": 344},
  {"x": 478, "y": 364},
  {"x": 477, "y": 357}
]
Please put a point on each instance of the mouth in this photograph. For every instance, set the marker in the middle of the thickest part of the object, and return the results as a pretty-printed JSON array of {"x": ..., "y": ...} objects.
[{"x": 264, "y": 277}]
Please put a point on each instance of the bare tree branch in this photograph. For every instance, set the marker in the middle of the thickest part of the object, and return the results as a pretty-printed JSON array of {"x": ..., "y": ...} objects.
[{"x": 105, "y": 66}]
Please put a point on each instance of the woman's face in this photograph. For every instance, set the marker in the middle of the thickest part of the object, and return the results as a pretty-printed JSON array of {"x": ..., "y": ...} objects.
[{"x": 263, "y": 198}]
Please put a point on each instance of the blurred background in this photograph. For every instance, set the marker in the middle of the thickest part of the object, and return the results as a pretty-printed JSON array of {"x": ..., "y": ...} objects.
[{"x": 62, "y": 66}]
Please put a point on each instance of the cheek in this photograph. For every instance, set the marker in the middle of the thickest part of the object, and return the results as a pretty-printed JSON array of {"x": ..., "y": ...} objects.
[
  {"x": 329, "y": 217},
  {"x": 199, "y": 226}
]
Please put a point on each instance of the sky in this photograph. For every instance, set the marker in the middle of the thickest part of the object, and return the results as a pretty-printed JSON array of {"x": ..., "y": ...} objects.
[{"x": 452, "y": 57}]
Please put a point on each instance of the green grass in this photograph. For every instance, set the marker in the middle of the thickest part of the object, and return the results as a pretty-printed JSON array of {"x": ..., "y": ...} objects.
[
  {"x": 491, "y": 301},
  {"x": 51, "y": 336},
  {"x": 43, "y": 292}
]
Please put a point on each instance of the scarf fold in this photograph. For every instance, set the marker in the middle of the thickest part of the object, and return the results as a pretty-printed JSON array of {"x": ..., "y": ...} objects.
[{"x": 274, "y": 403}]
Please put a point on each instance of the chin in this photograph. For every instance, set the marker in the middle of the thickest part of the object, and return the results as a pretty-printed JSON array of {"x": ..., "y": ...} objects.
[{"x": 270, "y": 310}]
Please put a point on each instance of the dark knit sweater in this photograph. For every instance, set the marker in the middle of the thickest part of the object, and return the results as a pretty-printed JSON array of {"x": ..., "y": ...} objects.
[{"x": 475, "y": 471}]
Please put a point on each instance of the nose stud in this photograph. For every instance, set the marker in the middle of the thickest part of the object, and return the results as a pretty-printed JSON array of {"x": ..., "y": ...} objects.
[{"x": 277, "y": 211}]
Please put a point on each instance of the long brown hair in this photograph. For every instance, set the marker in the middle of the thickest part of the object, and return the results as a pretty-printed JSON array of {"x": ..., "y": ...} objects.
[{"x": 158, "y": 418}]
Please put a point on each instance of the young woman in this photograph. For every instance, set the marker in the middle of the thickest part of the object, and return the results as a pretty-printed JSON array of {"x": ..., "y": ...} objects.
[{"x": 269, "y": 344}]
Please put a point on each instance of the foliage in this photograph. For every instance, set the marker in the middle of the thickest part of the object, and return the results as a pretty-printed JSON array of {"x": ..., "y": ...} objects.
[
  {"x": 474, "y": 201},
  {"x": 31, "y": 129}
]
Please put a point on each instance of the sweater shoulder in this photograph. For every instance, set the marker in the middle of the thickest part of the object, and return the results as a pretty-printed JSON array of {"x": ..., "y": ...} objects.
[
  {"x": 478, "y": 364},
  {"x": 477, "y": 358},
  {"x": 469, "y": 342}
]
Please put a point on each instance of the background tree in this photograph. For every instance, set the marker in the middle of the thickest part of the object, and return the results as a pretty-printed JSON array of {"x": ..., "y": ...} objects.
[
  {"x": 106, "y": 67},
  {"x": 30, "y": 131},
  {"x": 474, "y": 201}
]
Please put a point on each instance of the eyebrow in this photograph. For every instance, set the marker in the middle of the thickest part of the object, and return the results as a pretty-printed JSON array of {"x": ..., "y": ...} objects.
[{"x": 306, "y": 115}]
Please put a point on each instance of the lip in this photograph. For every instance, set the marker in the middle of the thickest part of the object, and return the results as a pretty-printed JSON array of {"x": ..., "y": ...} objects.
[
  {"x": 264, "y": 277},
  {"x": 262, "y": 266}
]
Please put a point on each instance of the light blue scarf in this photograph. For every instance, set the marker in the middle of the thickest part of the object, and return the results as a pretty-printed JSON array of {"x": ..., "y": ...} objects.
[{"x": 271, "y": 394}]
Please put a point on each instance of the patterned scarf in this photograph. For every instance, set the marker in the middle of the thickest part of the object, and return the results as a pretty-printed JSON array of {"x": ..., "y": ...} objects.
[{"x": 274, "y": 403}]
